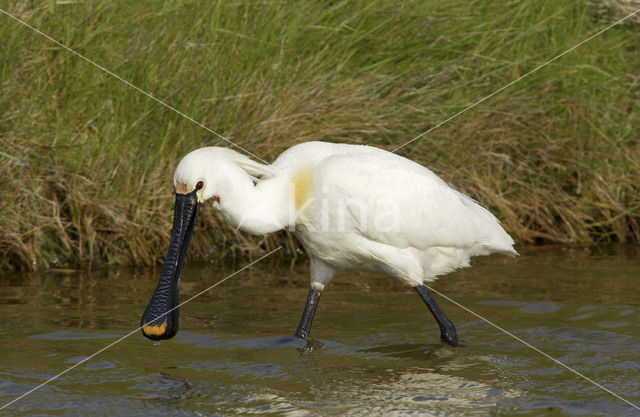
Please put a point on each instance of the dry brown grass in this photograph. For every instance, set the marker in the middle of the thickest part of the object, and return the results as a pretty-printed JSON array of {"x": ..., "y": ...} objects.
[{"x": 86, "y": 162}]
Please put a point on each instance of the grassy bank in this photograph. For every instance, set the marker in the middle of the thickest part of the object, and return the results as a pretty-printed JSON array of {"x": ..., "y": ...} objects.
[{"x": 86, "y": 162}]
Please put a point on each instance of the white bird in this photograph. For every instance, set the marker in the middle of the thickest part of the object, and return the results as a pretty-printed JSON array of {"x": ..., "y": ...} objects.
[{"x": 352, "y": 207}]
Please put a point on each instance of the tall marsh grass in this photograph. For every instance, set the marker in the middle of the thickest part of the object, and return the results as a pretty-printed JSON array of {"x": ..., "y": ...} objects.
[{"x": 86, "y": 162}]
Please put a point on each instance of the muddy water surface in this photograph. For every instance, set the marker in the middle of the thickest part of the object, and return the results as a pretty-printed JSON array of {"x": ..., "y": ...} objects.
[{"x": 377, "y": 350}]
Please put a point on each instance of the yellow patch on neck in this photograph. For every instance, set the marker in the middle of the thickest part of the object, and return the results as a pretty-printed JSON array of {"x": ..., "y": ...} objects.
[
  {"x": 181, "y": 188},
  {"x": 155, "y": 329},
  {"x": 301, "y": 187}
]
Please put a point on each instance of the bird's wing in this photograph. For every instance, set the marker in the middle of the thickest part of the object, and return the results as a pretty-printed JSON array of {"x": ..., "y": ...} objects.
[{"x": 392, "y": 200}]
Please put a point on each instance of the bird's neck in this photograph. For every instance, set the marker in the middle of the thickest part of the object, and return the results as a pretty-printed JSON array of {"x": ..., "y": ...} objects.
[{"x": 255, "y": 209}]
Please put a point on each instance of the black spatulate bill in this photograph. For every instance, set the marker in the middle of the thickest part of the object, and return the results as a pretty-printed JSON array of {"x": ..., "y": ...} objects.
[{"x": 160, "y": 319}]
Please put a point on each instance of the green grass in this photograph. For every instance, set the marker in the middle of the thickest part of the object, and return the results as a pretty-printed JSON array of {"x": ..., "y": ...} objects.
[{"x": 86, "y": 161}]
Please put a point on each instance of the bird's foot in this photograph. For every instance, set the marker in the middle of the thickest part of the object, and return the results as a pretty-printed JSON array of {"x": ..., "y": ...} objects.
[
  {"x": 310, "y": 346},
  {"x": 302, "y": 334}
]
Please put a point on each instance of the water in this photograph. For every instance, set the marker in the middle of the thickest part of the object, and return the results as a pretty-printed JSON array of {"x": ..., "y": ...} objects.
[{"x": 377, "y": 349}]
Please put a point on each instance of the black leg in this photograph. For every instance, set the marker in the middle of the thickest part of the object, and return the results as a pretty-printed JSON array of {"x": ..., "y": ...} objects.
[
  {"x": 307, "y": 316},
  {"x": 447, "y": 329}
]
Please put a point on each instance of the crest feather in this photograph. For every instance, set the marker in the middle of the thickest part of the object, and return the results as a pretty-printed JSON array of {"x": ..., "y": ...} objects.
[{"x": 255, "y": 169}]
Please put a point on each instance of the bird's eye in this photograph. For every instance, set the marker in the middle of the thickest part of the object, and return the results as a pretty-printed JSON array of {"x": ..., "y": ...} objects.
[{"x": 199, "y": 185}]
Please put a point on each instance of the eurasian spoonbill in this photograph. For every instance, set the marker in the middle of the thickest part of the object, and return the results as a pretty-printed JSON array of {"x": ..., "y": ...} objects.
[{"x": 352, "y": 207}]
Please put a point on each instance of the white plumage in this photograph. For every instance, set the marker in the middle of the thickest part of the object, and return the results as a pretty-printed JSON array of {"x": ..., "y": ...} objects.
[
  {"x": 355, "y": 205},
  {"x": 351, "y": 207}
]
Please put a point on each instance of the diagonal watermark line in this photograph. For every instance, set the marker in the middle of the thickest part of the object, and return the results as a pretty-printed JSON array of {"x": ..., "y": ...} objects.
[
  {"x": 508, "y": 333},
  {"x": 53, "y": 378},
  {"x": 394, "y": 150},
  {"x": 262, "y": 160},
  {"x": 534, "y": 348},
  {"x": 515, "y": 81},
  {"x": 116, "y": 76}
]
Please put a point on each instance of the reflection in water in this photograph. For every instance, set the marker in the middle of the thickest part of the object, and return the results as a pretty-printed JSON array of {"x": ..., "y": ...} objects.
[
  {"x": 413, "y": 392},
  {"x": 377, "y": 351}
]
